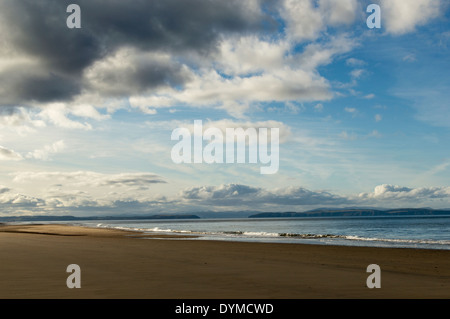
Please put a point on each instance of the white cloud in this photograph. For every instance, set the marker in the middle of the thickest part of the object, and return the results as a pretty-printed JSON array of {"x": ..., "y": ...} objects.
[
  {"x": 249, "y": 54},
  {"x": 210, "y": 89},
  {"x": 9, "y": 155},
  {"x": 350, "y": 110},
  {"x": 305, "y": 21},
  {"x": 322, "y": 53},
  {"x": 410, "y": 58},
  {"x": 80, "y": 191},
  {"x": 57, "y": 114},
  {"x": 91, "y": 179},
  {"x": 257, "y": 71},
  {"x": 73, "y": 199},
  {"x": 404, "y": 16},
  {"x": 26, "y": 120},
  {"x": 390, "y": 192},
  {"x": 357, "y": 73},
  {"x": 318, "y": 107},
  {"x": 355, "y": 62},
  {"x": 339, "y": 12},
  {"x": 150, "y": 102},
  {"x": 18, "y": 116},
  {"x": 44, "y": 153},
  {"x": 378, "y": 117},
  {"x": 12, "y": 201},
  {"x": 293, "y": 108},
  {"x": 87, "y": 111}
]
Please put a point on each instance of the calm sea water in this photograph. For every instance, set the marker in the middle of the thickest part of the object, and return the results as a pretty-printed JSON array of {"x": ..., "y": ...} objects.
[{"x": 413, "y": 232}]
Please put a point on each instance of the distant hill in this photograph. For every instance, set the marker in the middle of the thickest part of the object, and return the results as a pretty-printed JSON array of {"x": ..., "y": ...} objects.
[
  {"x": 73, "y": 218},
  {"x": 322, "y": 212},
  {"x": 357, "y": 212}
]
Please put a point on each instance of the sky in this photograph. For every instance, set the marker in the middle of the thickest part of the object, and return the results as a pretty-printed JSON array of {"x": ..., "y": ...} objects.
[{"x": 86, "y": 114}]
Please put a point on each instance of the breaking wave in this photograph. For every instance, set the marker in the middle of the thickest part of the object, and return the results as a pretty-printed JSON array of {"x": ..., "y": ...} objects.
[{"x": 261, "y": 235}]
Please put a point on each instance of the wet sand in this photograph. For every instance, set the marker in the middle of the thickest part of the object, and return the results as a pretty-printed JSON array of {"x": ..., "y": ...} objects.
[{"x": 127, "y": 265}]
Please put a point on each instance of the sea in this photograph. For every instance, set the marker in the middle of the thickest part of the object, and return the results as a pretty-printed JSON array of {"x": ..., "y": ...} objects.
[{"x": 423, "y": 232}]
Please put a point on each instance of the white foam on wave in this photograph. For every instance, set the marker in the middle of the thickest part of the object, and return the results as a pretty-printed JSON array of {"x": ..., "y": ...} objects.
[
  {"x": 401, "y": 241},
  {"x": 262, "y": 234}
]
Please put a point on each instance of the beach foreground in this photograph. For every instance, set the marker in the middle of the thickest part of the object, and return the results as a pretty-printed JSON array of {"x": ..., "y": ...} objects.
[{"x": 120, "y": 264}]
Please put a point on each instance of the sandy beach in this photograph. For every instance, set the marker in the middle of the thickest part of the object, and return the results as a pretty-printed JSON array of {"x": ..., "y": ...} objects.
[{"x": 120, "y": 264}]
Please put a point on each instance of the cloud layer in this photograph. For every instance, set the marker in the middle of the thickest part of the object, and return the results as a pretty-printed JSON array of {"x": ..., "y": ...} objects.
[
  {"x": 47, "y": 60},
  {"x": 222, "y": 54},
  {"x": 69, "y": 193},
  {"x": 162, "y": 53}
]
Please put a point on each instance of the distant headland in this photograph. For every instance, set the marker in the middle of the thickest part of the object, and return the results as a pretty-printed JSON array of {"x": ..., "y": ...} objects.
[
  {"x": 356, "y": 212},
  {"x": 321, "y": 212}
]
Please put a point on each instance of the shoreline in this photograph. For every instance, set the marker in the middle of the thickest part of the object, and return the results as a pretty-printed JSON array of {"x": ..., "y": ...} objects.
[
  {"x": 119, "y": 264},
  {"x": 286, "y": 238}
]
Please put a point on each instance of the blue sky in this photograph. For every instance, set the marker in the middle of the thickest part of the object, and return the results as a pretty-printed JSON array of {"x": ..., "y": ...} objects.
[{"x": 86, "y": 114}]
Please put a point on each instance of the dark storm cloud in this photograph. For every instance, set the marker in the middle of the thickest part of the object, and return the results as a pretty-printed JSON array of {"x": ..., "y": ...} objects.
[
  {"x": 154, "y": 74},
  {"x": 142, "y": 181},
  {"x": 20, "y": 85},
  {"x": 130, "y": 72},
  {"x": 168, "y": 24},
  {"x": 37, "y": 29},
  {"x": 47, "y": 88}
]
